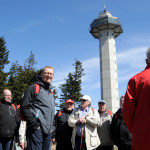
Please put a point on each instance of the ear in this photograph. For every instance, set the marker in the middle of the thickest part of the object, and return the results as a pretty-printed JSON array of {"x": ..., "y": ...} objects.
[{"x": 146, "y": 60}]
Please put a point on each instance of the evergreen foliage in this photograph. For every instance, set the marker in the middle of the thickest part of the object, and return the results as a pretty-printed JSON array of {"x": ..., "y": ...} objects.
[
  {"x": 4, "y": 53},
  {"x": 22, "y": 77},
  {"x": 71, "y": 89}
]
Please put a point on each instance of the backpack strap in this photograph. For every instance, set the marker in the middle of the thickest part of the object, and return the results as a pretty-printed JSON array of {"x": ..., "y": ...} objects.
[
  {"x": 22, "y": 118},
  {"x": 109, "y": 112},
  {"x": 60, "y": 113},
  {"x": 13, "y": 106},
  {"x": 18, "y": 106},
  {"x": 115, "y": 115},
  {"x": 37, "y": 88},
  {"x": 52, "y": 92}
]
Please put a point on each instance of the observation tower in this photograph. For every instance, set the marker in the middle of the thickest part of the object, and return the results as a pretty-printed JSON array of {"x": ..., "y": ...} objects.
[{"x": 106, "y": 28}]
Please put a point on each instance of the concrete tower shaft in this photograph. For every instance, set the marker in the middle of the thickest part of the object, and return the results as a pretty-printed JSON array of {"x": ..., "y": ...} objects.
[{"x": 106, "y": 28}]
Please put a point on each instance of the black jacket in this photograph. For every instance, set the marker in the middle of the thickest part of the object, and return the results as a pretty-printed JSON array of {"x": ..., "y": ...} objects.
[
  {"x": 7, "y": 119},
  {"x": 120, "y": 134},
  {"x": 62, "y": 132},
  {"x": 38, "y": 109}
]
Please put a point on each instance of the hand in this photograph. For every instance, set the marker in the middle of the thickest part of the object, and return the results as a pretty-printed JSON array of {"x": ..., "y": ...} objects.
[
  {"x": 22, "y": 145},
  {"x": 81, "y": 120},
  {"x": 53, "y": 141}
]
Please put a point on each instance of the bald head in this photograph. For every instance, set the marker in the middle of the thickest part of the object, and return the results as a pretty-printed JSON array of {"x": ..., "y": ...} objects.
[{"x": 6, "y": 95}]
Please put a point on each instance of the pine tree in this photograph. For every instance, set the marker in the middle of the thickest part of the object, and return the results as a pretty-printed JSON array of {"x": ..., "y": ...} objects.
[
  {"x": 3, "y": 61},
  {"x": 71, "y": 89},
  {"x": 22, "y": 77}
]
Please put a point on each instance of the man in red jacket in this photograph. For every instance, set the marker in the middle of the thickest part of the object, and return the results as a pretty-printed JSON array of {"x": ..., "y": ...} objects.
[{"x": 136, "y": 109}]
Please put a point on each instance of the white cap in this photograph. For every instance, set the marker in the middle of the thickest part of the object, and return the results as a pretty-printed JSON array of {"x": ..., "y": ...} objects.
[{"x": 86, "y": 97}]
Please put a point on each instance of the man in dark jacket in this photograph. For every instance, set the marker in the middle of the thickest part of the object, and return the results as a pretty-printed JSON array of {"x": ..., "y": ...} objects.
[
  {"x": 37, "y": 108},
  {"x": 62, "y": 133},
  {"x": 7, "y": 121},
  {"x": 120, "y": 134}
]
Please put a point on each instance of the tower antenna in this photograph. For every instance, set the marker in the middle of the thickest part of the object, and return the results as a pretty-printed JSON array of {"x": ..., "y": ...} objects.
[{"x": 104, "y": 7}]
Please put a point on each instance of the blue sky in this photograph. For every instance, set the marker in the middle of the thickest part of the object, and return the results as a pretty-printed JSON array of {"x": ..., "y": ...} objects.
[{"x": 57, "y": 32}]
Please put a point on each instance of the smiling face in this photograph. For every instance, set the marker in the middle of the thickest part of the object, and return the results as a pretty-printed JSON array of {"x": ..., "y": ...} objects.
[
  {"x": 84, "y": 103},
  {"x": 47, "y": 74},
  {"x": 69, "y": 106},
  {"x": 7, "y": 95}
]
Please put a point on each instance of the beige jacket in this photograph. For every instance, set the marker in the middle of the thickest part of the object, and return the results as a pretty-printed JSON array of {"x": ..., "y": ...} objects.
[{"x": 92, "y": 120}]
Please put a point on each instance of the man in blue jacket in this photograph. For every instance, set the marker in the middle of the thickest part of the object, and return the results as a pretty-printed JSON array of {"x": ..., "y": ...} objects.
[{"x": 37, "y": 108}]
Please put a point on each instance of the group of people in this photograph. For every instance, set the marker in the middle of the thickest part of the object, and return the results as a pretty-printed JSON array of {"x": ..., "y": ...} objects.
[{"x": 82, "y": 128}]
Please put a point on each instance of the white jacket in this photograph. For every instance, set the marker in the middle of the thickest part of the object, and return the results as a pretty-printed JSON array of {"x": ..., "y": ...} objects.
[{"x": 92, "y": 120}]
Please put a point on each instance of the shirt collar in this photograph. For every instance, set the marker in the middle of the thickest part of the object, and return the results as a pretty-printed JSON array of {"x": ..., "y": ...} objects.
[{"x": 84, "y": 109}]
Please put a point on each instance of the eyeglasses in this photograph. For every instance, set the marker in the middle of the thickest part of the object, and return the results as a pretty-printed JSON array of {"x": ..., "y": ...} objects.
[
  {"x": 48, "y": 73},
  {"x": 7, "y": 95}
]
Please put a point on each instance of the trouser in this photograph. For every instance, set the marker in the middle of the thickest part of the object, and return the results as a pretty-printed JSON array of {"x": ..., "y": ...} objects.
[
  {"x": 78, "y": 143},
  {"x": 105, "y": 148},
  {"x": 6, "y": 143},
  {"x": 37, "y": 140},
  {"x": 124, "y": 147}
]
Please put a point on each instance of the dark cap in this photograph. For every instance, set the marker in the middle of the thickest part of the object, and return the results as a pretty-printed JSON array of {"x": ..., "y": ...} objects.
[
  {"x": 102, "y": 101},
  {"x": 69, "y": 101}
]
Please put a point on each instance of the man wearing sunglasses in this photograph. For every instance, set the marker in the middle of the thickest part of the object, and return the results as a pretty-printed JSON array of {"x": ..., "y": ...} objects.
[{"x": 84, "y": 121}]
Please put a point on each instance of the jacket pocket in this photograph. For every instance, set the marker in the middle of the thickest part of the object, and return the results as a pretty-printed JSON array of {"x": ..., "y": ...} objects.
[{"x": 94, "y": 139}]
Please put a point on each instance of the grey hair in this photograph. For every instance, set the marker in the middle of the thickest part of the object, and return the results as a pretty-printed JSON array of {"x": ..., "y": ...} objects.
[{"x": 148, "y": 54}]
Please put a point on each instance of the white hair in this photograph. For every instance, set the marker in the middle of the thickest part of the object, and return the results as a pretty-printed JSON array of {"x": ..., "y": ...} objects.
[{"x": 148, "y": 54}]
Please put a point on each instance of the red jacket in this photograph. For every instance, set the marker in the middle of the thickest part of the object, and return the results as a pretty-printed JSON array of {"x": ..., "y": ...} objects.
[{"x": 136, "y": 109}]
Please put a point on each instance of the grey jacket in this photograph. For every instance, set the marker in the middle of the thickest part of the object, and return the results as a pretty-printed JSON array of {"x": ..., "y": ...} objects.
[
  {"x": 38, "y": 109},
  {"x": 103, "y": 129}
]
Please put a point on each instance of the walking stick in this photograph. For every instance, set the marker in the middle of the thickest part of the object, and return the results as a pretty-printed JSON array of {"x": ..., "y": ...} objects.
[{"x": 81, "y": 138}]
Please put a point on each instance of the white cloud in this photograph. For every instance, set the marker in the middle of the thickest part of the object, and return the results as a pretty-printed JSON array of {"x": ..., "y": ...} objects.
[
  {"x": 131, "y": 56},
  {"x": 35, "y": 23},
  {"x": 91, "y": 86},
  {"x": 130, "y": 62},
  {"x": 91, "y": 64},
  {"x": 139, "y": 39}
]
